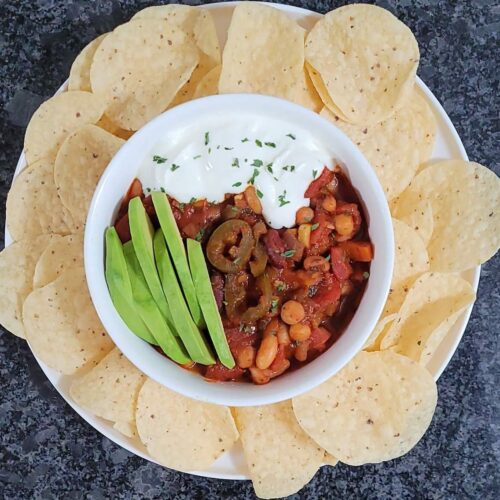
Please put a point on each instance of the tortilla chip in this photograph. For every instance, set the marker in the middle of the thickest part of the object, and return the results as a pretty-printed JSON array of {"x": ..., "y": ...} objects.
[
  {"x": 306, "y": 94},
  {"x": 110, "y": 390},
  {"x": 373, "y": 342},
  {"x": 280, "y": 456},
  {"x": 182, "y": 433},
  {"x": 56, "y": 118},
  {"x": 61, "y": 325},
  {"x": 209, "y": 84},
  {"x": 375, "y": 409},
  {"x": 465, "y": 197},
  {"x": 79, "y": 75},
  {"x": 61, "y": 254},
  {"x": 397, "y": 146},
  {"x": 106, "y": 124},
  {"x": 264, "y": 52},
  {"x": 367, "y": 72},
  {"x": 429, "y": 310},
  {"x": 330, "y": 459},
  {"x": 17, "y": 264},
  {"x": 126, "y": 428},
  {"x": 418, "y": 216},
  {"x": 33, "y": 204},
  {"x": 79, "y": 165},
  {"x": 138, "y": 69}
]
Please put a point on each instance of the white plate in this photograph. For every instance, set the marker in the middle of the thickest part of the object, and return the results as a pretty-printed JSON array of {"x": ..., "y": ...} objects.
[{"x": 232, "y": 465}]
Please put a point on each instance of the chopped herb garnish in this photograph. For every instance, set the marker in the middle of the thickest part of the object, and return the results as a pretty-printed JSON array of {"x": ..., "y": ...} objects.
[
  {"x": 237, "y": 260},
  {"x": 174, "y": 167},
  {"x": 236, "y": 163},
  {"x": 269, "y": 168},
  {"x": 237, "y": 184},
  {"x": 288, "y": 253},
  {"x": 228, "y": 149},
  {"x": 256, "y": 172},
  {"x": 245, "y": 139},
  {"x": 289, "y": 168},
  {"x": 315, "y": 173},
  {"x": 328, "y": 257},
  {"x": 181, "y": 206},
  {"x": 280, "y": 286},
  {"x": 192, "y": 200},
  {"x": 199, "y": 235},
  {"x": 209, "y": 150},
  {"x": 292, "y": 168},
  {"x": 260, "y": 194},
  {"x": 282, "y": 200},
  {"x": 207, "y": 138},
  {"x": 270, "y": 144},
  {"x": 257, "y": 163},
  {"x": 258, "y": 142},
  {"x": 159, "y": 159},
  {"x": 246, "y": 328},
  {"x": 314, "y": 226},
  {"x": 148, "y": 190},
  {"x": 218, "y": 147},
  {"x": 291, "y": 136},
  {"x": 276, "y": 179},
  {"x": 196, "y": 157},
  {"x": 366, "y": 275},
  {"x": 162, "y": 189},
  {"x": 274, "y": 305}
]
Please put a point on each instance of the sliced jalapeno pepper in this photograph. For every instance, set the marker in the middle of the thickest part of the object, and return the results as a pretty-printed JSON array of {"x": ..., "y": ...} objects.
[{"x": 234, "y": 237}]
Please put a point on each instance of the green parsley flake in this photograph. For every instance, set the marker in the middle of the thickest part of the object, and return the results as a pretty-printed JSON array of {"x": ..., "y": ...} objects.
[
  {"x": 282, "y": 200},
  {"x": 292, "y": 168},
  {"x": 245, "y": 139},
  {"x": 314, "y": 226},
  {"x": 192, "y": 200},
  {"x": 209, "y": 150},
  {"x": 237, "y": 184},
  {"x": 291, "y": 136},
  {"x": 366, "y": 275},
  {"x": 159, "y": 159},
  {"x": 258, "y": 142},
  {"x": 196, "y": 157},
  {"x": 228, "y": 149},
  {"x": 274, "y": 305},
  {"x": 254, "y": 175},
  {"x": 236, "y": 163},
  {"x": 315, "y": 173},
  {"x": 270, "y": 144},
  {"x": 257, "y": 163},
  {"x": 328, "y": 257},
  {"x": 162, "y": 189},
  {"x": 280, "y": 286},
  {"x": 207, "y": 138},
  {"x": 200, "y": 234},
  {"x": 260, "y": 194},
  {"x": 174, "y": 167},
  {"x": 269, "y": 168},
  {"x": 288, "y": 253}
]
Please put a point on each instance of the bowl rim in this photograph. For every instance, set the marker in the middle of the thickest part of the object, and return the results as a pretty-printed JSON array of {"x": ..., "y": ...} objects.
[{"x": 166, "y": 372}]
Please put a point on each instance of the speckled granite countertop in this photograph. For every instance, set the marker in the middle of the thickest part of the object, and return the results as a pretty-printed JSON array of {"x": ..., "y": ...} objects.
[{"x": 48, "y": 451}]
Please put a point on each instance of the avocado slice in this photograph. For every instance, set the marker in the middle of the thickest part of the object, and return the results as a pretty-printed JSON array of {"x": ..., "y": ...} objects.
[
  {"x": 178, "y": 253},
  {"x": 142, "y": 232},
  {"x": 149, "y": 311},
  {"x": 207, "y": 302},
  {"x": 191, "y": 337},
  {"x": 120, "y": 289}
]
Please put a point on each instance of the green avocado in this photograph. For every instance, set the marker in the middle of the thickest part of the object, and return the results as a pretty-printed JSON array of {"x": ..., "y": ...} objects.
[
  {"x": 149, "y": 311},
  {"x": 142, "y": 232},
  {"x": 178, "y": 253},
  {"x": 207, "y": 302},
  {"x": 191, "y": 337},
  {"x": 119, "y": 286}
]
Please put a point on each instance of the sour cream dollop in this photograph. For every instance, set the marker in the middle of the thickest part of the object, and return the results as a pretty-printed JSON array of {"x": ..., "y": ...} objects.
[{"x": 224, "y": 154}]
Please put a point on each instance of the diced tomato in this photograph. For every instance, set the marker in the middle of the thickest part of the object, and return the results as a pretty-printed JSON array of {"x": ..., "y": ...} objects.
[
  {"x": 319, "y": 337},
  {"x": 328, "y": 292},
  {"x": 135, "y": 189},
  {"x": 316, "y": 185},
  {"x": 217, "y": 282},
  {"x": 238, "y": 339},
  {"x": 223, "y": 374},
  {"x": 339, "y": 262},
  {"x": 123, "y": 229},
  {"x": 275, "y": 247},
  {"x": 359, "y": 251}
]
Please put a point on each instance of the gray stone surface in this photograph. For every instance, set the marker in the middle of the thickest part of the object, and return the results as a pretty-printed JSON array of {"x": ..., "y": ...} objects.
[{"x": 48, "y": 451}]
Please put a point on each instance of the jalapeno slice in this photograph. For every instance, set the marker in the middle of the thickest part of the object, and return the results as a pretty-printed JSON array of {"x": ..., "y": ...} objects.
[{"x": 233, "y": 237}]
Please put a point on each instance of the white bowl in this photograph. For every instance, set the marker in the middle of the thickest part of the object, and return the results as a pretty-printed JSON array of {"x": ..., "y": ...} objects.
[{"x": 113, "y": 185}]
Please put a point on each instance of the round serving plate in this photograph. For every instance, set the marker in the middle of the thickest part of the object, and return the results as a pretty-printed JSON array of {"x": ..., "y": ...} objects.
[{"x": 448, "y": 146}]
